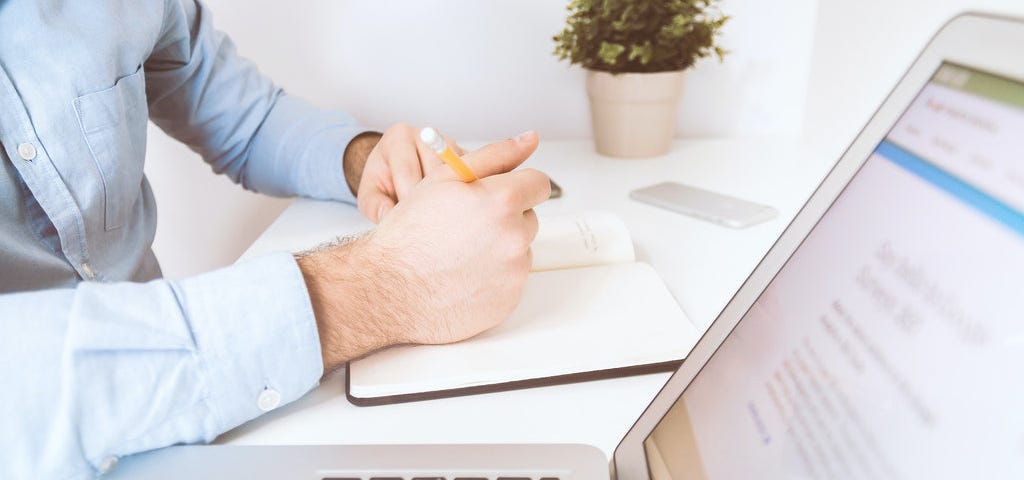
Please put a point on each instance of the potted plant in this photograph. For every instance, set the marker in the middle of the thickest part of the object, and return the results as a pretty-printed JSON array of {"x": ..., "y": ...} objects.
[{"x": 635, "y": 53}]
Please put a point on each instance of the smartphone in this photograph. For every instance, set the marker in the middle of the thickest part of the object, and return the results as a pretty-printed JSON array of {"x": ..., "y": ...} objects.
[
  {"x": 556, "y": 190},
  {"x": 705, "y": 205}
]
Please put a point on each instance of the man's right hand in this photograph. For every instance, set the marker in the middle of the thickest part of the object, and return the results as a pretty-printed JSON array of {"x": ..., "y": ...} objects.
[{"x": 445, "y": 264}]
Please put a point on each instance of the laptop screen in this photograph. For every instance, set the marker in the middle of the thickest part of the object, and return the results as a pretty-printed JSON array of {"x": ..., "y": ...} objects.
[{"x": 891, "y": 343}]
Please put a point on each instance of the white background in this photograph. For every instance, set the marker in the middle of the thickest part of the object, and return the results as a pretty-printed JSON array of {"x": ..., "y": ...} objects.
[{"x": 483, "y": 69}]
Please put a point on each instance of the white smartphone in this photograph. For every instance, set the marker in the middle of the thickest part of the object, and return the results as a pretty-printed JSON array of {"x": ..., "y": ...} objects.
[{"x": 705, "y": 205}]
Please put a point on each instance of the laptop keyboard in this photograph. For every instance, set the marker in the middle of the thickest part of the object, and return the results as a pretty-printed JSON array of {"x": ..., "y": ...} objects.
[{"x": 443, "y": 477}]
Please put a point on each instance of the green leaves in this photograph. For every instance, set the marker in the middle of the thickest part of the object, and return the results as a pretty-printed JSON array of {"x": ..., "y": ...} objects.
[
  {"x": 610, "y": 52},
  {"x": 680, "y": 25},
  {"x": 643, "y": 52},
  {"x": 640, "y": 35}
]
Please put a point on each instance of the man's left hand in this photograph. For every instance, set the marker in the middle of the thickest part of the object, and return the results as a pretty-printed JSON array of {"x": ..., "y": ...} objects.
[{"x": 397, "y": 162}]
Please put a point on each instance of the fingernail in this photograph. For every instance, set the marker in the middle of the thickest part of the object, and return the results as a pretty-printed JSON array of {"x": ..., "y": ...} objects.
[
  {"x": 523, "y": 136},
  {"x": 381, "y": 211}
]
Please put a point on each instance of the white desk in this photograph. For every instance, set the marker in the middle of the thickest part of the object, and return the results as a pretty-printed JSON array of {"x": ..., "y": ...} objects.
[{"x": 703, "y": 264}]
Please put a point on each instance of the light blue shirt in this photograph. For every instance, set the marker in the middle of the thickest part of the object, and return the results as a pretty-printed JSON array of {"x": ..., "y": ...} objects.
[{"x": 94, "y": 363}]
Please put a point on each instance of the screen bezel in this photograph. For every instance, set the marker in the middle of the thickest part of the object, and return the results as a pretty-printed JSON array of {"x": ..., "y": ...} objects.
[{"x": 973, "y": 40}]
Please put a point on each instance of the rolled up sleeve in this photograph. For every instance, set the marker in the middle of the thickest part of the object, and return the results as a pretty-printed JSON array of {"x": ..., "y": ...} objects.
[
  {"x": 107, "y": 370},
  {"x": 201, "y": 92},
  {"x": 254, "y": 327}
]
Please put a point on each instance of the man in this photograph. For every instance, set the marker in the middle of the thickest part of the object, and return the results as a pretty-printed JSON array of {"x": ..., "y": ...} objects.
[{"x": 97, "y": 364}]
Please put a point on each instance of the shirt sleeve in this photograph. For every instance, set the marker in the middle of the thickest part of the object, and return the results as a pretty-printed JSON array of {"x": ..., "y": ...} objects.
[
  {"x": 202, "y": 93},
  {"x": 105, "y": 370}
]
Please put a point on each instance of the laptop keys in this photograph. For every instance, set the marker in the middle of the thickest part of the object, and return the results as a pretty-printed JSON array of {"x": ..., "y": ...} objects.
[{"x": 439, "y": 478}]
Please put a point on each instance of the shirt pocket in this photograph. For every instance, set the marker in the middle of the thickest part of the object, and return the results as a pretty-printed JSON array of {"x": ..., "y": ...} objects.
[{"x": 113, "y": 121}]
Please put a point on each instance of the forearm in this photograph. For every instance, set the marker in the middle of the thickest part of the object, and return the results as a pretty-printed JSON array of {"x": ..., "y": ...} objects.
[{"x": 360, "y": 298}]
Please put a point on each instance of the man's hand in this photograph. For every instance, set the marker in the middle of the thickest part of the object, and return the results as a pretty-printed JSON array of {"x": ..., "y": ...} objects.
[
  {"x": 383, "y": 170},
  {"x": 447, "y": 263}
]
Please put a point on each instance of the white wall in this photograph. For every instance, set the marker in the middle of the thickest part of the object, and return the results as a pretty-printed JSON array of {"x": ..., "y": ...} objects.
[
  {"x": 475, "y": 69},
  {"x": 862, "y": 49}
]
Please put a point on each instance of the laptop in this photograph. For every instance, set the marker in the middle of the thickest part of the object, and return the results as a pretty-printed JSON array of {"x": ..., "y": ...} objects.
[{"x": 882, "y": 336}]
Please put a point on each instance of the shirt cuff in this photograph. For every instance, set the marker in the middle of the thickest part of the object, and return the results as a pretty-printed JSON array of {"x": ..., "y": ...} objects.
[
  {"x": 307, "y": 144},
  {"x": 259, "y": 343}
]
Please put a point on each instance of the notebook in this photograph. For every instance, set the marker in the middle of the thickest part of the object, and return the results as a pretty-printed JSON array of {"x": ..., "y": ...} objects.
[{"x": 589, "y": 311}]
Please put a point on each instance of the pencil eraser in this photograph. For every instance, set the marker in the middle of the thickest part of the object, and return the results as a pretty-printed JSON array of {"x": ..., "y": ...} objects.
[{"x": 432, "y": 139}]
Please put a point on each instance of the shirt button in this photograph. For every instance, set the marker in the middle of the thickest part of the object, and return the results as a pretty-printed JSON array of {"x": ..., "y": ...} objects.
[
  {"x": 27, "y": 151},
  {"x": 108, "y": 464},
  {"x": 88, "y": 271},
  {"x": 269, "y": 399}
]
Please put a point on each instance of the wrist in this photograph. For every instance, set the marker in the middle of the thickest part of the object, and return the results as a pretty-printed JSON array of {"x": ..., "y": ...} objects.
[
  {"x": 355, "y": 301},
  {"x": 354, "y": 158}
]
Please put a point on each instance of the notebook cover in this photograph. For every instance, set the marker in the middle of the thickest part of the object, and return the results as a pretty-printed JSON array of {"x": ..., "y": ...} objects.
[{"x": 669, "y": 366}]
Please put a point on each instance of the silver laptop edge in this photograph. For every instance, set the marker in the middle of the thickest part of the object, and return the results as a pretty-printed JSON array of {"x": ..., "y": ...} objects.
[{"x": 972, "y": 39}]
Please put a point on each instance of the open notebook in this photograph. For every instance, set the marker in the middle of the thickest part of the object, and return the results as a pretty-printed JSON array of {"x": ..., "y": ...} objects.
[{"x": 589, "y": 311}]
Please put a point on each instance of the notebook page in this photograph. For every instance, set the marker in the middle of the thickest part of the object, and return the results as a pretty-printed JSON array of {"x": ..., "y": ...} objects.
[
  {"x": 569, "y": 321},
  {"x": 580, "y": 240}
]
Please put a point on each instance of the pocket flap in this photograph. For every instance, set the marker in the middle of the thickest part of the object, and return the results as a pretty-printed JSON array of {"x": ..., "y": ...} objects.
[{"x": 107, "y": 108}]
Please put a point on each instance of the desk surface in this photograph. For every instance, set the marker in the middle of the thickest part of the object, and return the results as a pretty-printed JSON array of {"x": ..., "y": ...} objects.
[{"x": 702, "y": 263}]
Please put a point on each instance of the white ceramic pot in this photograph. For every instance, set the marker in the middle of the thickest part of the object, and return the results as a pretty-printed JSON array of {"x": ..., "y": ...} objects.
[{"x": 634, "y": 114}]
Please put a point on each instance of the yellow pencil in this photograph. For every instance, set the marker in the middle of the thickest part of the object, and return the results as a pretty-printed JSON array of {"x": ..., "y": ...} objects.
[{"x": 438, "y": 145}]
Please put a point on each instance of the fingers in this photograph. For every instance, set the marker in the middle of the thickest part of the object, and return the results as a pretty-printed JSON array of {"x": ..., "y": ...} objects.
[
  {"x": 532, "y": 224},
  {"x": 452, "y": 145},
  {"x": 503, "y": 156},
  {"x": 374, "y": 203},
  {"x": 402, "y": 157},
  {"x": 521, "y": 189},
  {"x": 429, "y": 159}
]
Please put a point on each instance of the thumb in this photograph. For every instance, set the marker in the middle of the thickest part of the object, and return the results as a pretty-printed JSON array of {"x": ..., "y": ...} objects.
[
  {"x": 503, "y": 156},
  {"x": 374, "y": 204}
]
